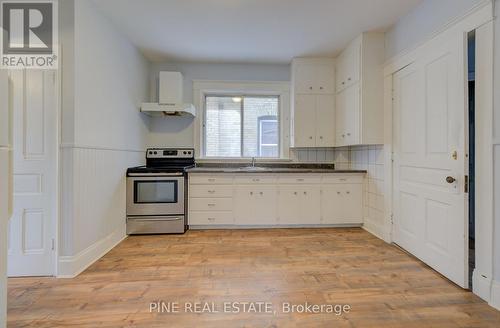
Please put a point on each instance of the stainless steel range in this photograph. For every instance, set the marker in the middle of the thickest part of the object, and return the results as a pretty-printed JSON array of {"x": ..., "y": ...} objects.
[{"x": 157, "y": 192}]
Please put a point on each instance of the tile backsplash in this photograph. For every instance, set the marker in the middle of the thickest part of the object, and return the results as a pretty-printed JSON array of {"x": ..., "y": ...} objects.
[{"x": 339, "y": 156}]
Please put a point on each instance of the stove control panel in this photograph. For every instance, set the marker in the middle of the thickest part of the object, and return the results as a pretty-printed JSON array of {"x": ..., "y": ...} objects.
[{"x": 170, "y": 153}]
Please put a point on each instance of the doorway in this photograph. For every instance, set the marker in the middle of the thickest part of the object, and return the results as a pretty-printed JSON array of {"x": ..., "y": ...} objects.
[
  {"x": 471, "y": 155},
  {"x": 32, "y": 228}
]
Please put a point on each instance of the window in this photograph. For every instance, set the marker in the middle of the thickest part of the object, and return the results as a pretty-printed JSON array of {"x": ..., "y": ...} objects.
[{"x": 241, "y": 126}]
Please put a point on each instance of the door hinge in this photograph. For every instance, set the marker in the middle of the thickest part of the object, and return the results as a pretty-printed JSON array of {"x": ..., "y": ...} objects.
[
  {"x": 53, "y": 244},
  {"x": 392, "y": 218},
  {"x": 466, "y": 184}
]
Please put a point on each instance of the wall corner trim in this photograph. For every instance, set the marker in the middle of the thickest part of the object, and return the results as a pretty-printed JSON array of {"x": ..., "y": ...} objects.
[
  {"x": 495, "y": 295},
  {"x": 481, "y": 285},
  {"x": 72, "y": 266}
]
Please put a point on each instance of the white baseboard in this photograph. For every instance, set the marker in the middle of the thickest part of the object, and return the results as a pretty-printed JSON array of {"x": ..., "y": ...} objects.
[
  {"x": 72, "y": 266},
  {"x": 378, "y": 231},
  {"x": 495, "y": 295},
  {"x": 481, "y": 285},
  {"x": 284, "y": 226}
]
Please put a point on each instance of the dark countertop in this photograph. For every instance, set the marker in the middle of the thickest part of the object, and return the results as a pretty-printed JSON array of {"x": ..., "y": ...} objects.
[{"x": 268, "y": 168}]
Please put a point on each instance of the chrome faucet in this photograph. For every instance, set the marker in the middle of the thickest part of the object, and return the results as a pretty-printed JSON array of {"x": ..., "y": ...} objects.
[{"x": 253, "y": 161}]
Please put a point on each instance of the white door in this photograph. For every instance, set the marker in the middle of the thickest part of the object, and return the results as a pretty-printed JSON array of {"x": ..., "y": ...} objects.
[
  {"x": 325, "y": 121},
  {"x": 32, "y": 227},
  {"x": 429, "y": 211},
  {"x": 304, "y": 121},
  {"x": 289, "y": 204},
  {"x": 5, "y": 187}
]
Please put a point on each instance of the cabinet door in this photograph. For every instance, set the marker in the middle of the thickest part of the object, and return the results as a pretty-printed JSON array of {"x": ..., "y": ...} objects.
[
  {"x": 310, "y": 205},
  {"x": 289, "y": 204},
  {"x": 340, "y": 119},
  {"x": 265, "y": 205},
  {"x": 304, "y": 121},
  {"x": 340, "y": 72},
  {"x": 353, "y": 63},
  {"x": 351, "y": 121},
  {"x": 352, "y": 203},
  {"x": 305, "y": 78},
  {"x": 331, "y": 204},
  {"x": 325, "y": 121},
  {"x": 325, "y": 78},
  {"x": 244, "y": 205}
]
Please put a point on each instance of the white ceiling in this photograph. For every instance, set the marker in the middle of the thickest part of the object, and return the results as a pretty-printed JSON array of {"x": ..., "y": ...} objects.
[{"x": 252, "y": 31}]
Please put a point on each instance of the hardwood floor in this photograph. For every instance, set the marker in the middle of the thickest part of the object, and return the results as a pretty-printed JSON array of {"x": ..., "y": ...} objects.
[{"x": 383, "y": 286}]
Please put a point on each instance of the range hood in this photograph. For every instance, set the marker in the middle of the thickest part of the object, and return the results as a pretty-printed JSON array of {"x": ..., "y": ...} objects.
[{"x": 170, "y": 95}]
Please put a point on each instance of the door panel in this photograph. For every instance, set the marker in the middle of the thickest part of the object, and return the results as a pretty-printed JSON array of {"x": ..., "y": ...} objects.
[
  {"x": 429, "y": 212},
  {"x": 304, "y": 121},
  {"x": 351, "y": 118},
  {"x": 325, "y": 121},
  {"x": 32, "y": 227},
  {"x": 289, "y": 205}
]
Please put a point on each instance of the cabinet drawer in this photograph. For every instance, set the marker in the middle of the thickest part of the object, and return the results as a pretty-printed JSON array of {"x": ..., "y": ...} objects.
[
  {"x": 210, "y": 179},
  {"x": 255, "y": 179},
  {"x": 206, "y": 218},
  {"x": 297, "y": 179},
  {"x": 349, "y": 179},
  {"x": 211, "y": 204},
  {"x": 211, "y": 191}
]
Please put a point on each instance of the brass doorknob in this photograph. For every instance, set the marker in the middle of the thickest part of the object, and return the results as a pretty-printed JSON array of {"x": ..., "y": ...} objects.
[{"x": 450, "y": 179}]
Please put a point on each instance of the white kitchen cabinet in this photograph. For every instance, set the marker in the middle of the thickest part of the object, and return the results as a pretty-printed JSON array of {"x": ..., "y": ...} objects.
[
  {"x": 342, "y": 203},
  {"x": 222, "y": 199},
  {"x": 314, "y": 121},
  {"x": 313, "y": 75},
  {"x": 359, "y": 86},
  {"x": 299, "y": 204},
  {"x": 313, "y": 113},
  {"x": 255, "y": 205},
  {"x": 325, "y": 121},
  {"x": 304, "y": 121},
  {"x": 347, "y": 117}
]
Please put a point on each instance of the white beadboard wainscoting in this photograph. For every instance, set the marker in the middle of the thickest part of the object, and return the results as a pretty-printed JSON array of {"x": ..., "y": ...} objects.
[{"x": 93, "y": 204}]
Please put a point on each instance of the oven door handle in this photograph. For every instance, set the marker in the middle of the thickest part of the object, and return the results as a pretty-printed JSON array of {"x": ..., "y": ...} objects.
[{"x": 157, "y": 218}]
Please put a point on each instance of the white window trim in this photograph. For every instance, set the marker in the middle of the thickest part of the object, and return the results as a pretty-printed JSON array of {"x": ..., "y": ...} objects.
[{"x": 202, "y": 88}]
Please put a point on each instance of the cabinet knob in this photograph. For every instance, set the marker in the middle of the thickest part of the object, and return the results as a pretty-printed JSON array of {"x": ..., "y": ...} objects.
[
  {"x": 295, "y": 193},
  {"x": 338, "y": 192},
  {"x": 310, "y": 88},
  {"x": 211, "y": 205},
  {"x": 348, "y": 192},
  {"x": 251, "y": 192},
  {"x": 349, "y": 79},
  {"x": 343, "y": 136},
  {"x": 321, "y": 88},
  {"x": 310, "y": 137},
  {"x": 348, "y": 134},
  {"x": 305, "y": 192},
  {"x": 261, "y": 193},
  {"x": 211, "y": 219},
  {"x": 343, "y": 83},
  {"x": 321, "y": 137},
  {"x": 211, "y": 191}
]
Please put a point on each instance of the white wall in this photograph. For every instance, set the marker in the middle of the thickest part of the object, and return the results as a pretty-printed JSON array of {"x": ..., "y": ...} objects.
[
  {"x": 103, "y": 132},
  {"x": 179, "y": 131},
  {"x": 429, "y": 17}
]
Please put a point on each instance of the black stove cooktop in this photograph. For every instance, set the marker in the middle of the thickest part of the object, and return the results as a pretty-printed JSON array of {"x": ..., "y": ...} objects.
[{"x": 165, "y": 160}]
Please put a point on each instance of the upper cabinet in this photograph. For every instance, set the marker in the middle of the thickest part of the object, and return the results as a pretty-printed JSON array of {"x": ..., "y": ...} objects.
[
  {"x": 359, "y": 92},
  {"x": 313, "y": 113}
]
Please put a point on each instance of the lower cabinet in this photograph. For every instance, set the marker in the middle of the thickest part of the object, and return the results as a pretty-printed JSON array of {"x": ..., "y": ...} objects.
[
  {"x": 341, "y": 204},
  {"x": 255, "y": 205},
  {"x": 299, "y": 204},
  {"x": 273, "y": 200}
]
